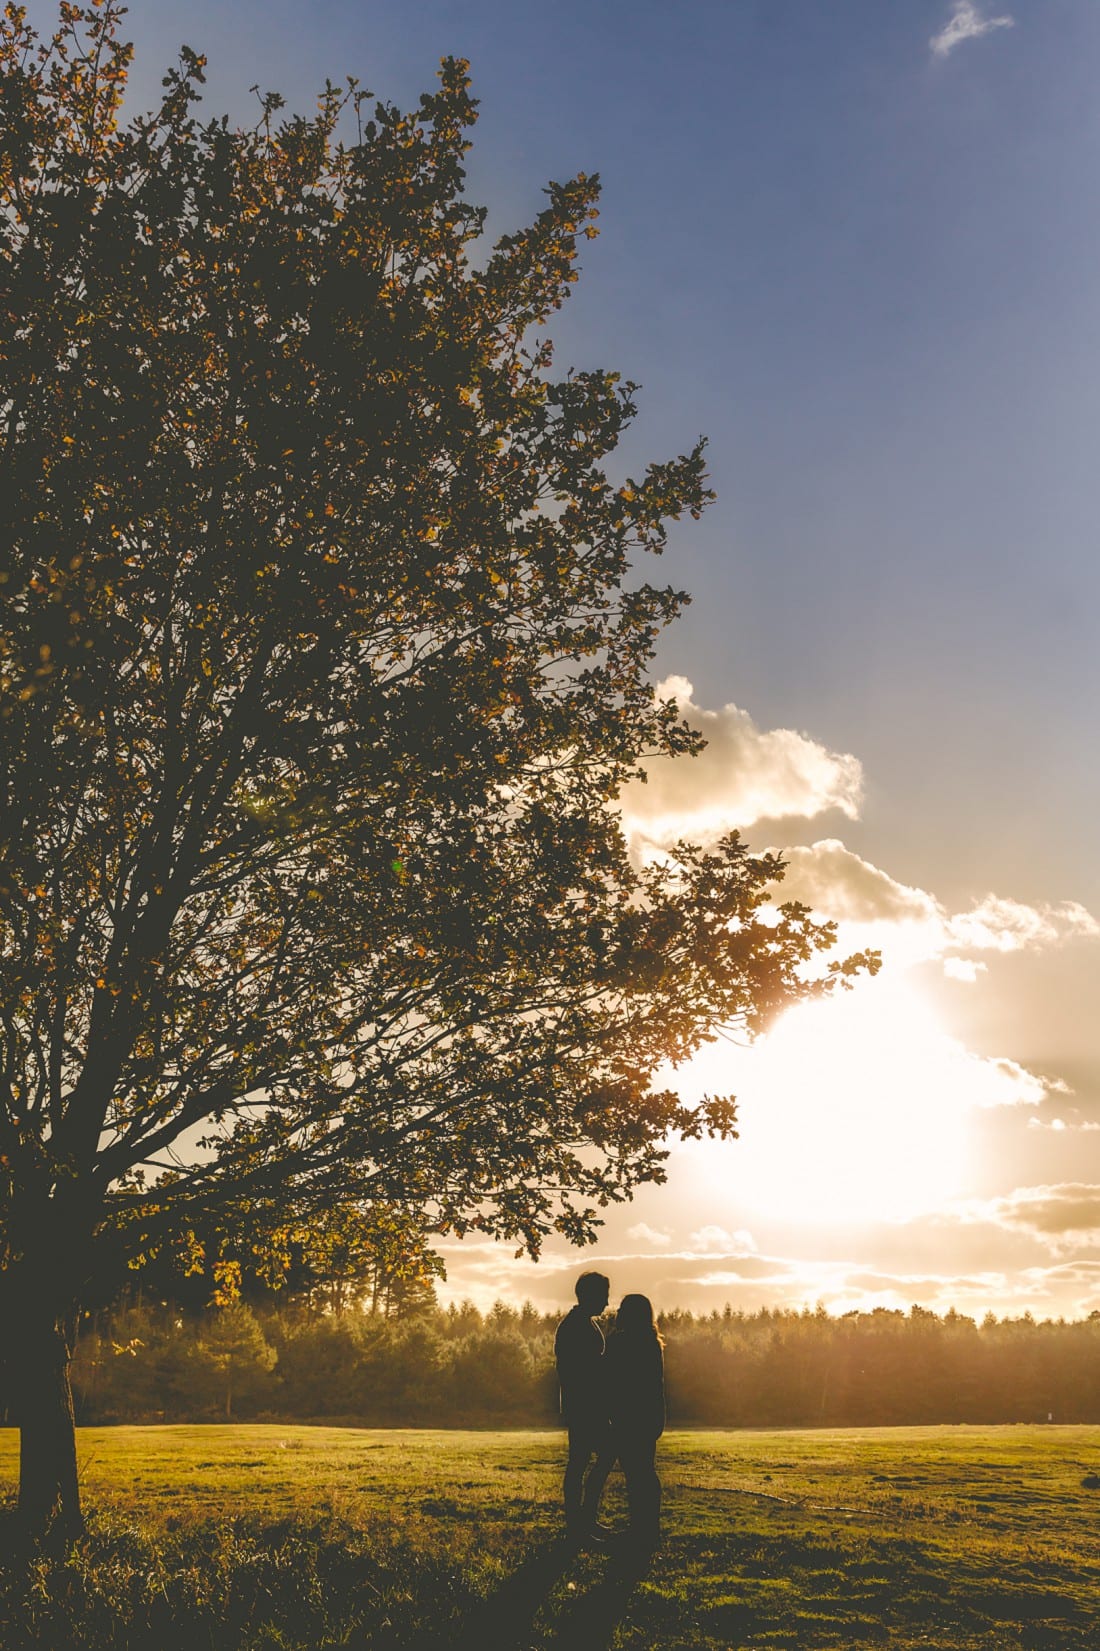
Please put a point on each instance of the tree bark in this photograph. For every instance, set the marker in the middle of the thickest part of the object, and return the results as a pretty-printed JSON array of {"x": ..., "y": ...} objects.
[
  {"x": 49, "y": 1488},
  {"x": 39, "y": 1357}
]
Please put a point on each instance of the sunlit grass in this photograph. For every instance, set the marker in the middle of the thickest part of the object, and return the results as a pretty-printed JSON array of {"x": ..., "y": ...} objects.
[{"x": 320, "y": 1537}]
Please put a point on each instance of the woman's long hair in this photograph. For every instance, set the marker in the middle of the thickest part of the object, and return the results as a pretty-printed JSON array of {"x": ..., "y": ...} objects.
[{"x": 635, "y": 1320}]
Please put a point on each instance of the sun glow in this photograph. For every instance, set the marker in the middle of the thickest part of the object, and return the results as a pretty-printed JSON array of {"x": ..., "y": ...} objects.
[{"x": 852, "y": 1110}]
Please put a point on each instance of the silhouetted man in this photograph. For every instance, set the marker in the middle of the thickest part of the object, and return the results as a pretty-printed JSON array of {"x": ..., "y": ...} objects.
[{"x": 579, "y": 1349}]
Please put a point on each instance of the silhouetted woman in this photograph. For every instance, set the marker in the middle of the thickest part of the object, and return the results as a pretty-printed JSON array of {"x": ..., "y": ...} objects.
[{"x": 636, "y": 1396}]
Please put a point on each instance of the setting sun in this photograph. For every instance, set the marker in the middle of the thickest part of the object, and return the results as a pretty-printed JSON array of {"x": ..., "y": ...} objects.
[{"x": 850, "y": 1110}]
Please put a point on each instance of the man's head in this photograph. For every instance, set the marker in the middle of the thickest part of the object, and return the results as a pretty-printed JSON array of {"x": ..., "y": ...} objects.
[{"x": 593, "y": 1292}]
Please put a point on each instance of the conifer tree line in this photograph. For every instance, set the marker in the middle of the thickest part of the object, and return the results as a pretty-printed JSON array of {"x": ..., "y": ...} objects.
[{"x": 420, "y": 1364}]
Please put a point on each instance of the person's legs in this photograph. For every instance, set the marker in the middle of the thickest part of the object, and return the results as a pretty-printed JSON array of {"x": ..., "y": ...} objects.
[
  {"x": 604, "y": 1452},
  {"x": 583, "y": 1485},
  {"x": 580, "y": 1454},
  {"x": 643, "y": 1489}
]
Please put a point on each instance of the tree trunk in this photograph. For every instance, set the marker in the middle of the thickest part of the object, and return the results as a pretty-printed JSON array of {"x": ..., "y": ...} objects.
[{"x": 49, "y": 1489}]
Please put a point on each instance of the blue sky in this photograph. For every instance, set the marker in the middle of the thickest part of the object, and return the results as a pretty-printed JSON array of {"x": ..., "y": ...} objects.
[
  {"x": 866, "y": 272},
  {"x": 866, "y": 269}
]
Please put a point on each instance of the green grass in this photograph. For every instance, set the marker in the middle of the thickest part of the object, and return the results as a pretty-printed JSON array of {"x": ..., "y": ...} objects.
[{"x": 234, "y": 1538}]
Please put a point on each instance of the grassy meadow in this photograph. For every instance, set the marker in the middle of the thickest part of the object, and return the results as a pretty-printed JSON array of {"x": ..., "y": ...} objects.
[{"x": 210, "y": 1538}]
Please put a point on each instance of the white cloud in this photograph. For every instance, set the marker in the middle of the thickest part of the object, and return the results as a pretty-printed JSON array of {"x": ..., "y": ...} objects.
[
  {"x": 912, "y": 926},
  {"x": 972, "y": 1260},
  {"x": 965, "y": 23},
  {"x": 1034, "y": 1248},
  {"x": 487, "y": 1271},
  {"x": 745, "y": 774},
  {"x": 998, "y": 1081},
  {"x": 836, "y": 882},
  {"x": 1059, "y": 1126},
  {"x": 1052, "y": 1212},
  {"x": 963, "y": 968},
  {"x": 643, "y": 1233},
  {"x": 713, "y": 1238},
  {"x": 999, "y": 925}
]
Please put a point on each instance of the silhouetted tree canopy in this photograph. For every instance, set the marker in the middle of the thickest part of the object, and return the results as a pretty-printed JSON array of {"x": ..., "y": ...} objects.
[{"x": 321, "y": 668}]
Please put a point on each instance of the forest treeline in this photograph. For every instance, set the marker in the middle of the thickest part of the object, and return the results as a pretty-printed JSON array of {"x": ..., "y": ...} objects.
[{"x": 142, "y": 1362}]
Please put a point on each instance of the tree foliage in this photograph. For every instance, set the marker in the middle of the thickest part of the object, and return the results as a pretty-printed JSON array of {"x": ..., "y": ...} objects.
[{"x": 321, "y": 667}]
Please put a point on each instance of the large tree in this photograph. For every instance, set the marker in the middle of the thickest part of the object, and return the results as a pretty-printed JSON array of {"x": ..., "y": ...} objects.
[{"x": 321, "y": 668}]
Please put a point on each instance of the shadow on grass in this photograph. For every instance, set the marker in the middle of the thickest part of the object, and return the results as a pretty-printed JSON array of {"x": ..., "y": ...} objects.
[
  {"x": 505, "y": 1621},
  {"x": 590, "y": 1623},
  {"x": 20, "y": 1545}
]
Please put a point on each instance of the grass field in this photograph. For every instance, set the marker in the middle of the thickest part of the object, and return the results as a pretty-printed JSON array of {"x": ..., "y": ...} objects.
[{"x": 233, "y": 1538}]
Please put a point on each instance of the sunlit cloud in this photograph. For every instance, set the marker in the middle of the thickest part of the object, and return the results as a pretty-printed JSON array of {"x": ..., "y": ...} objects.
[
  {"x": 707, "y": 1271},
  {"x": 911, "y": 925},
  {"x": 643, "y": 1233},
  {"x": 745, "y": 774},
  {"x": 832, "y": 879},
  {"x": 965, "y": 23},
  {"x": 1007, "y": 1083},
  {"x": 485, "y": 1272},
  {"x": 1073, "y": 1208},
  {"x": 964, "y": 968},
  {"x": 975, "y": 1258},
  {"x": 711, "y": 1238},
  {"x": 1000, "y": 925},
  {"x": 1042, "y": 1291}
]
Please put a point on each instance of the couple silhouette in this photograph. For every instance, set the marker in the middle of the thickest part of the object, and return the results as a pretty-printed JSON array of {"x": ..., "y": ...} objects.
[{"x": 613, "y": 1406}]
